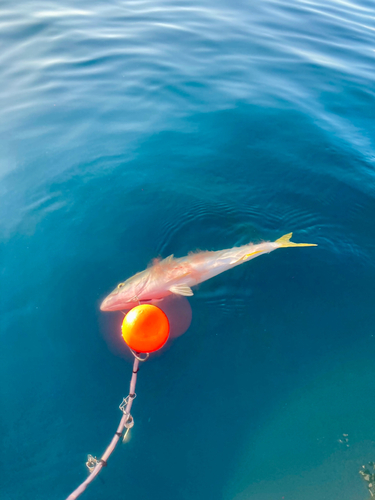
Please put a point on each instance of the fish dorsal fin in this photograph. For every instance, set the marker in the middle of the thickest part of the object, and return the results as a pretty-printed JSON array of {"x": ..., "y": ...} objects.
[
  {"x": 169, "y": 259},
  {"x": 182, "y": 290}
]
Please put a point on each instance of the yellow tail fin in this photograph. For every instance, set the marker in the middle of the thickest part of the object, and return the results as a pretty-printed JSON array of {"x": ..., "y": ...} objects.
[{"x": 284, "y": 242}]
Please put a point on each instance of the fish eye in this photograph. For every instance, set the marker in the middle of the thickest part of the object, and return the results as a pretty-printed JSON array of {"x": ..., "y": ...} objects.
[{"x": 120, "y": 285}]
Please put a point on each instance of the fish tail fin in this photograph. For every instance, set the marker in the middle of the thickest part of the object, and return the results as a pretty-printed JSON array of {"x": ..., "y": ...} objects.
[{"x": 285, "y": 242}]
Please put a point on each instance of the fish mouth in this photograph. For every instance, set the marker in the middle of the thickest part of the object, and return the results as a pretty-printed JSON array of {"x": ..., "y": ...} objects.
[
  {"x": 115, "y": 303},
  {"x": 112, "y": 303}
]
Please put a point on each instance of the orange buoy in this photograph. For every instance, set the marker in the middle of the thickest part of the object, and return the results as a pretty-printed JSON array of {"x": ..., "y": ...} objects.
[{"x": 145, "y": 328}]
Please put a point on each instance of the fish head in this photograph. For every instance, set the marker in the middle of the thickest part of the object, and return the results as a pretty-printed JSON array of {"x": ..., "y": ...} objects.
[{"x": 127, "y": 294}]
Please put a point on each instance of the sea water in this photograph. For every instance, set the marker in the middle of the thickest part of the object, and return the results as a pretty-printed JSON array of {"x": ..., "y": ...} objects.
[{"x": 136, "y": 129}]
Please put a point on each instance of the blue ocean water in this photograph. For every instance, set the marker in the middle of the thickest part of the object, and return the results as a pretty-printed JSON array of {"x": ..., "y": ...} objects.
[{"x": 132, "y": 129}]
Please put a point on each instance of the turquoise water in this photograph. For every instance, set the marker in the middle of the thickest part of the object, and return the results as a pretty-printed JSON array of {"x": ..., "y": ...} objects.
[{"x": 136, "y": 129}]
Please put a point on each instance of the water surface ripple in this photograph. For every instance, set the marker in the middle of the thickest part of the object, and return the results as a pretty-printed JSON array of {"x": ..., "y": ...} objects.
[{"x": 133, "y": 129}]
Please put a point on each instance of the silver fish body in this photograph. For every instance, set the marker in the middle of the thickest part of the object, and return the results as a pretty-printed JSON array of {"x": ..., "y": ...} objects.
[{"x": 177, "y": 276}]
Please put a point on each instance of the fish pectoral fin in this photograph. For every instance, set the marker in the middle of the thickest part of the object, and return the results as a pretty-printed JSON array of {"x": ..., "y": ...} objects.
[
  {"x": 181, "y": 290},
  {"x": 284, "y": 242}
]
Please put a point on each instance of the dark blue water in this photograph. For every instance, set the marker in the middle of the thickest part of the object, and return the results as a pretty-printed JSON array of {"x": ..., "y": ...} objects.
[{"x": 136, "y": 129}]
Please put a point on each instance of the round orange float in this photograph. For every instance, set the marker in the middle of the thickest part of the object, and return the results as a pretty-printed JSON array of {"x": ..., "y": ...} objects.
[{"x": 145, "y": 328}]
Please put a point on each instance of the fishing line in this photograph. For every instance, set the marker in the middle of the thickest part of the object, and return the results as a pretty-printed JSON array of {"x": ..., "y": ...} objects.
[
  {"x": 145, "y": 329},
  {"x": 95, "y": 465}
]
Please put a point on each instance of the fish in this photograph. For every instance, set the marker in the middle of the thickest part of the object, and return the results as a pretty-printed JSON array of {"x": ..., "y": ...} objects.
[{"x": 178, "y": 275}]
